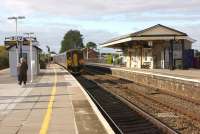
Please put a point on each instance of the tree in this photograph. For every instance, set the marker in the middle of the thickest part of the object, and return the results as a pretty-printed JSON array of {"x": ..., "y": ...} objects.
[
  {"x": 48, "y": 49},
  {"x": 53, "y": 52},
  {"x": 49, "y": 53},
  {"x": 91, "y": 45},
  {"x": 4, "y": 62},
  {"x": 198, "y": 53},
  {"x": 43, "y": 60},
  {"x": 72, "y": 40},
  {"x": 109, "y": 59}
]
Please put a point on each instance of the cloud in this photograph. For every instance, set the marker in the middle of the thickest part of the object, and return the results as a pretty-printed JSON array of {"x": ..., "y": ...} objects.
[
  {"x": 98, "y": 20},
  {"x": 53, "y": 34},
  {"x": 106, "y": 10},
  {"x": 97, "y": 36},
  {"x": 194, "y": 32},
  {"x": 89, "y": 8}
]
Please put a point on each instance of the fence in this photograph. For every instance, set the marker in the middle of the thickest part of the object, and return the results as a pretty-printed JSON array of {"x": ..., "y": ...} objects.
[
  {"x": 196, "y": 62},
  {"x": 106, "y": 61}
]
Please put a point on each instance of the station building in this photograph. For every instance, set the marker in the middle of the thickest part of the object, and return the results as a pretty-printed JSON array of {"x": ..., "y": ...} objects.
[
  {"x": 157, "y": 47},
  {"x": 89, "y": 53},
  {"x": 23, "y": 51}
]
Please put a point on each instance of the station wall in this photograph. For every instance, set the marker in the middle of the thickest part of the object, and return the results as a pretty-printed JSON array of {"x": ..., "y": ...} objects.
[
  {"x": 26, "y": 55},
  {"x": 181, "y": 87}
]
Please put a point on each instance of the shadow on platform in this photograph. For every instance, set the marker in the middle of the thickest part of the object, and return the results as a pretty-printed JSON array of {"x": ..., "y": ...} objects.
[
  {"x": 25, "y": 102},
  {"x": 52, "y": 73},
  {"x": 42, "y": 108},
  {"x": 30, "y": 96},
  {"x": 58, "y": 84}
]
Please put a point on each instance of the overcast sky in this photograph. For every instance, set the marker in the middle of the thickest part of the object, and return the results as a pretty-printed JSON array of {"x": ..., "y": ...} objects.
[{"x": 98, "y": 20}]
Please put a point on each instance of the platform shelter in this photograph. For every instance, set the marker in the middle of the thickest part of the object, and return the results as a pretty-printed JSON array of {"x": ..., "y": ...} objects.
[
  {"x": 23, "y": 51},
  {"x": 157, "y": 47}
]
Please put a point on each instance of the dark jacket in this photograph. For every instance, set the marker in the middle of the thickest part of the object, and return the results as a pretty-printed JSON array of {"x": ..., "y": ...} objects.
[{"x": 23, "y": 71}]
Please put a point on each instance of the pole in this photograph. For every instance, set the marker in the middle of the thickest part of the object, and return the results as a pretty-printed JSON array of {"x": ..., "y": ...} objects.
[
  {"x": 100, "y": 53},
  {"x": 20, "y": 45},
  {"x": 16, "y": 36},
  {"x": 31, "y": 56},
  {"x": 100, "y": 61},
  {"x": 171, "y": 65},
  {"x": 87, "y": 53}
]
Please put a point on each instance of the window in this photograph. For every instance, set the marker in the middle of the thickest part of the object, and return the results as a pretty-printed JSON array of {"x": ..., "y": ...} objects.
[{"x": 24, "y": 55}]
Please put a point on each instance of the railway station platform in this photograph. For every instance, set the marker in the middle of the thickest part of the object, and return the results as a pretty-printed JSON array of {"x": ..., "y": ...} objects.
[
  {"x": 55, "y": 103},
  {"x": 180, "y": 83},
  {"x": 190, "y": 74}
]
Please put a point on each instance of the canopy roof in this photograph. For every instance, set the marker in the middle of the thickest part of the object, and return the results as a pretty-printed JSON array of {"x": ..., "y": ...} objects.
[
  {"x": 11, "y": 46},
  {"x": 157, "y": 32}
]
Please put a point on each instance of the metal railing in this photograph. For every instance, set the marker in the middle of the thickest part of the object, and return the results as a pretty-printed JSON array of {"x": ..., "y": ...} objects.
[{"x": 105, "y": 61}]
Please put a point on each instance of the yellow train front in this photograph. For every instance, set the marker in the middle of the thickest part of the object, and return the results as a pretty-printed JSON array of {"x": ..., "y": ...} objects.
[{"x": 74, "y": 61}]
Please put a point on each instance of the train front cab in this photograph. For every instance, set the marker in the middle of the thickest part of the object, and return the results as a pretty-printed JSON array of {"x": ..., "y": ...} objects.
[{"x": 75, "y": 61}]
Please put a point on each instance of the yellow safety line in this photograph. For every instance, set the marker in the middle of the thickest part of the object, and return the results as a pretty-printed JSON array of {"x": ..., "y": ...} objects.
[{"x": 47, "y": 118}]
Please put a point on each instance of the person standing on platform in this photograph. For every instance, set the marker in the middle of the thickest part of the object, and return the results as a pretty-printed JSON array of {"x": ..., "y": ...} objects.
[
  {"x": 18, "y": 70},
  {"x": 23, "y": 72}
]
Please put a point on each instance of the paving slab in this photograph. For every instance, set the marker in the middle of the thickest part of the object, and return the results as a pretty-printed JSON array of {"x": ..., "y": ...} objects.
[
  {"x": 55, "y": 101},
  {"x": 193, "y": 74}
]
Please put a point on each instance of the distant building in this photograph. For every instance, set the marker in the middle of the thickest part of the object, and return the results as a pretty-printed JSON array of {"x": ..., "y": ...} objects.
[
  {"x": 23, "y": 51},
  {"x": 90, "y": 53},
  {"x": 157, "y": 47}
]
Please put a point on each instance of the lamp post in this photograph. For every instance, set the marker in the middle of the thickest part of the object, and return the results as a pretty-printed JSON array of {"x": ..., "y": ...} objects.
[
  {"x": 99, "y": 50},
  {"x": 16, "y": 32},
  {"x": 31, "y": 54},
  {"x": 87, "y": 53}
]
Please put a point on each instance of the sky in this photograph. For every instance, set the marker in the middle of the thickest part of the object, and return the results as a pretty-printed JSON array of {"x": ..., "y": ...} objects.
[{"x": 97, "y": 20}]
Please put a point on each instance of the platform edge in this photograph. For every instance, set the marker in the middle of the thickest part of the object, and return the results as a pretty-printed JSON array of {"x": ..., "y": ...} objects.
[{"x": 95, "y": 109}]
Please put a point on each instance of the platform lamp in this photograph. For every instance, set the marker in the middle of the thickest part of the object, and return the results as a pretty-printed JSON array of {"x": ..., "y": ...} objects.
[
  {"x": 100, "y": 52},
  {"x": 16, "y": 18},
  {"x": 31, "y": 53}
]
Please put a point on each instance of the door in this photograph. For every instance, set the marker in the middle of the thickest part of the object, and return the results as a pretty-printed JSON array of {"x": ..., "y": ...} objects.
[
  {"x": 147, "y": 57},
  {"x": 166, "y": 58}
]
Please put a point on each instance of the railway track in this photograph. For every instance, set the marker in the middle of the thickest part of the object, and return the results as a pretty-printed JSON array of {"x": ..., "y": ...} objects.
[
  {"x": 152, "y": 103},
  {"x": 123, "y": 116}
]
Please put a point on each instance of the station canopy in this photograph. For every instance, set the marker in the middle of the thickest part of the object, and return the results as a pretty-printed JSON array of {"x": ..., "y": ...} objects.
[
  {"x": 12, "y": 41},
  {"x": 154, "y": 33}
]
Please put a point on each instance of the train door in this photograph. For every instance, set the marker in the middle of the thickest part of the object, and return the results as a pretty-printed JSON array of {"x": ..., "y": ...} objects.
[{"x": 75, "y": 59}]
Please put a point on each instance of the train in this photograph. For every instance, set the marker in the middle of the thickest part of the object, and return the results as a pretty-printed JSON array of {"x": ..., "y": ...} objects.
[{"x": 72, "y": 60}]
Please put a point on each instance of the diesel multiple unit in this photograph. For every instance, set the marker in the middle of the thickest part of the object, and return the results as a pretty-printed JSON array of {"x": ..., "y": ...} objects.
[{"x": 71, "y": 59}]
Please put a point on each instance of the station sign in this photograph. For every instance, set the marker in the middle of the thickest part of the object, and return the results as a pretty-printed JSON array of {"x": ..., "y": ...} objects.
[{"x": 10, "y": 41}]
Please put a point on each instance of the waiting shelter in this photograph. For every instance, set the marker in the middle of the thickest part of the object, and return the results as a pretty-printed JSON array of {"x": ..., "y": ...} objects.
[
  {"x": 157, "y": 47},
  {"x": 23, "y": 51}
]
